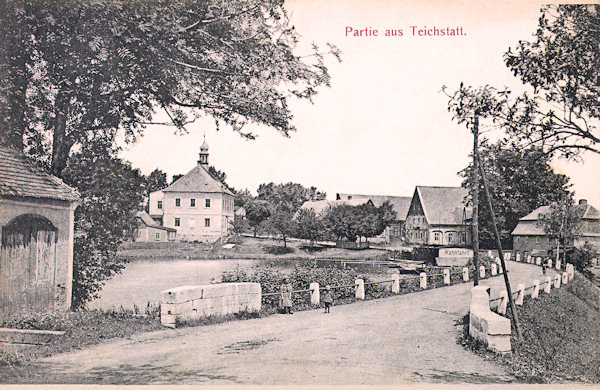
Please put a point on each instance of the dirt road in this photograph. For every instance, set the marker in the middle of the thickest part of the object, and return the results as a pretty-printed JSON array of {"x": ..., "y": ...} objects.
[{"x": 402, "y": 339}]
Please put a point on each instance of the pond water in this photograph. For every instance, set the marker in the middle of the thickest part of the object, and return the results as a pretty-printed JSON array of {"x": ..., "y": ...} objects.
[{"x": 142, "y": 281}]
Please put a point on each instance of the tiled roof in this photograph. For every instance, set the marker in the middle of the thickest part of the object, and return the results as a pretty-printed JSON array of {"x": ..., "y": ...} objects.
[
  {"x": 148, "y": 221},
  {"x": 528, "y": 226},
  {"x": 21, "y": 177},
  {"x": 443, "y": 205},
  {"x": 198, "y": 180},
  {"x": 321, "y": 205},
  {"x": 400, "y": 204}
]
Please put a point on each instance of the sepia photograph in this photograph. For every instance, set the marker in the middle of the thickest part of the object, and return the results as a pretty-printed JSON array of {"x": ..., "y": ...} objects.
[{"x": 314, "y": 193}]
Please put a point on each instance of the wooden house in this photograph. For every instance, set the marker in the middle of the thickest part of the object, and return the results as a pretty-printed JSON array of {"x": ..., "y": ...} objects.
[
  {"x": 439, "y": 216},
  {"x": 37, "y": 220},
  {"x": 148, "y": 230}
]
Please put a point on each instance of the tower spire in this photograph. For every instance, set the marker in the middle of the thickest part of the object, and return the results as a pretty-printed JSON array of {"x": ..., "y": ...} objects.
[{"x": 203, "y": 156}]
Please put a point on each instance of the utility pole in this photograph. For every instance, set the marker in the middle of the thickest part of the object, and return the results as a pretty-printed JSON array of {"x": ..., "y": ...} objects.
[
  {"x": 513, "y": 309},
  {"x": 475, "y": 197}
]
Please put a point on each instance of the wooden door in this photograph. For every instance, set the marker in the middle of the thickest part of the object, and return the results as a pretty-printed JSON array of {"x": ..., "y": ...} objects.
[{"x": 27, "y": 266}]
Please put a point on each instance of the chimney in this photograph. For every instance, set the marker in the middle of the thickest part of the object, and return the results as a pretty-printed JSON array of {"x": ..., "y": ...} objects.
[{"x": 583, "y": 202}]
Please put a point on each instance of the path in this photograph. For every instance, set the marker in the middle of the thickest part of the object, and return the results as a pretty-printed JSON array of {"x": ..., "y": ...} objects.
[{"x": 402, "y": 339}]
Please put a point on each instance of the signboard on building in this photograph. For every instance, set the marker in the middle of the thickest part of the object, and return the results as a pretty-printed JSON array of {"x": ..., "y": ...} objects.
[{"x": 454, "y": 257}]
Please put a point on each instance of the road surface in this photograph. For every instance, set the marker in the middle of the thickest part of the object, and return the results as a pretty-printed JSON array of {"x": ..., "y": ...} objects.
[{"x": 402, "y": 339}]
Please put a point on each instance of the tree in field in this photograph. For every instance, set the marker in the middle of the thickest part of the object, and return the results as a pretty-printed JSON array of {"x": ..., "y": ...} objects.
[
  {"x": 562, "y": 66},
  {"x": 309, "y": 226},
  {"x": 239, "y": 225},
  {"x": 156, "y": 181},
  {"x": 519, "y": 180},
  {"x": 583, "y": 259},
  {"x": 285, "y": 200},
  {"x": 111, "y": 193},
  {"x": 562, "y": 223},
  {"x": 257, "y": 212},
  {"x": 75, "y": 70}
]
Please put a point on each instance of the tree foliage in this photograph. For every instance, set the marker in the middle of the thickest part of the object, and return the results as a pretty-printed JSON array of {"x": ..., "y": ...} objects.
[
  {"x": 257, "y": 212},
  {"x": 76, "y": 69},
  {"x": 519, "y": 181},
  {"x": 562, "y": 223},
  {"x": 156, "y": 181},
  {"x": 351, "y": 222},
  {"x": 309, "y": 226},
  {"x": 111, "y": 193},
  {"x": 562, "y": 66}
]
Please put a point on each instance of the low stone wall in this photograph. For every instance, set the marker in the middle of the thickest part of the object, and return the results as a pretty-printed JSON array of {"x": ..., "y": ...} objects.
[
  {"x": 486, "y": 326},
  {"x": 193, "y": 302}
]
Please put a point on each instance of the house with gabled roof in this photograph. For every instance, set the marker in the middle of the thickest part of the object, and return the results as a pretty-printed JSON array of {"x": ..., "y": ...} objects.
[
  {"x": 400, "y": 204},
  {"x": 198, "y": 206},
  {"x": 37, "y": 220},
  {"x": 529, "y": 236},
  {"x": 439, "y": 216},
  {"x": 148, "y": 230}
]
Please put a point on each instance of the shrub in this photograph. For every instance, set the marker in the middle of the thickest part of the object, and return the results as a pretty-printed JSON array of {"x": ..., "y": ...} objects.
[{"x": 277, "y": 250}]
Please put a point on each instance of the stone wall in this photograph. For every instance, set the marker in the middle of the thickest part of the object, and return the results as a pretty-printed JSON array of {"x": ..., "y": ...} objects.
[
  {"x": 486, "y": 326},
  {"x": 192, "y": 302}
]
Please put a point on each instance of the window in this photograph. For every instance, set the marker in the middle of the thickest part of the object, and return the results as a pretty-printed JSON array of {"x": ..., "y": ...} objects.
[
  {"x": 206, "y": 222},
  {"x": 159, "y": 204},
  {"x": 436, "y": 236},
  {"x": 157, "y": 236},
  {"x": 537, "y": 239},
  {"x": 192, "y": 202},
  {"x": 207, "y": 203},
  {"x": 177, "y": 222},
  {"x": 177, "y": 202}
]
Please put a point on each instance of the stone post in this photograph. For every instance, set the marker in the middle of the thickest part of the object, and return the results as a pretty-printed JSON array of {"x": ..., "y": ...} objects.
[
  {"x": 446, "y": 272},
  {"x": 503, "y": 302},
  {"x": 465, "y": 274},
  {"x": 565, "y": 277},
  {"x": 528, "y": 259},
  {"x": 423, "y": 280},
  {"x": 315, "y": 294},
  {"x": 395, "y": 282},
  {"x": 359, "y": 285},
  {"x": 549, "y": 264},
  {"x": 518, "y": 257},
  {"x": 521, "y": 294},
  {"x": 548, "y": 285},
  {"x": 481, "y": 272},
  {"x": 536, "y": 289},
  {"x": 557, "y": 264},
  {"x": 494, "y": 269},
  {"x": 557, "y": 281},
  {"x": 570, "y": 271}
]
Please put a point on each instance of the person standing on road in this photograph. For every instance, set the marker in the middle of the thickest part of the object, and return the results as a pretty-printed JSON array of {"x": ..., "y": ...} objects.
[
  {"x": 327, "y": 298},
  {"x": 544, "y": 267},
  {"x": 286, "y": 297}
]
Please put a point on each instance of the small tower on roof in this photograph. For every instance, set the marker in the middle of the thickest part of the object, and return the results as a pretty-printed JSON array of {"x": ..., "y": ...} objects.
[{"x": 203, "y": 157}]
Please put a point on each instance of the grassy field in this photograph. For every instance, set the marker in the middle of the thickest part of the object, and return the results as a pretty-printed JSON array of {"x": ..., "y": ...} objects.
[
  {"x": 561, "y": 342},
  {"x": 248, "y": 248}
]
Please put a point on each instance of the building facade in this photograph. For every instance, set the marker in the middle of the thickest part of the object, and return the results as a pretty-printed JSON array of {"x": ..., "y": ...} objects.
[
  {"x": 149, "y": 230},
  {"x": 530, "y": 238},
  {"x": 198, "y": 206},
  {"x": 37, "y": 220},
  {"x": 438, "y": 216},
  {"x": 400, "y": 204}
]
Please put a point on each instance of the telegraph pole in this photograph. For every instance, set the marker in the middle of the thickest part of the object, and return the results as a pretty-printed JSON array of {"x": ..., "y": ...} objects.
[
  {"x": 475, "y": 197},
  {"x": 513, "y": 308}
]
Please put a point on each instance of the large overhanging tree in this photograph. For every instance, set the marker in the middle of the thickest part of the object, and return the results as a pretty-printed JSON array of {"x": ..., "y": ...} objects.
[
  {"x": 561, "y": 112},
  {"x": 73, "y": 70}
]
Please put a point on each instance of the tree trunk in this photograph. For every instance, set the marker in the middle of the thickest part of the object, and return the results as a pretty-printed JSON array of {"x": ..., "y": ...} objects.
[
  {"x": 255, "y": 227},
  {"x": 61, "y": 144}
]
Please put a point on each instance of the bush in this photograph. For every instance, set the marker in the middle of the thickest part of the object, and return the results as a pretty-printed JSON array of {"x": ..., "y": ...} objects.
[{"x": 277, "y": 250}]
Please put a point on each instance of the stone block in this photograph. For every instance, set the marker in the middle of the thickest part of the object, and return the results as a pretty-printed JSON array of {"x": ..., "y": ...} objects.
[
  {"x": 536, "y": 289},
  {"x": 396, "y": 282},
  {"x": 359, "y": 285},
  {"x": 465, "y": 274},
  {"x": 486, "y": 326},
  {"x": 446, "y": 273},
  {"x": 481, "y": 272},
  {"x": 494, "y": 269},
  {"x": 557, "y": 281},
  {"x": 565, "y": 278},
  {"x": 558, "y": 264},
  {"x": 521, "y": 294},
  {"x": 315, "y": 294},
  {"x": 547, "y": 285},
  {"x": 423, "y": 280},
  {"x": 503, "y": 302}
]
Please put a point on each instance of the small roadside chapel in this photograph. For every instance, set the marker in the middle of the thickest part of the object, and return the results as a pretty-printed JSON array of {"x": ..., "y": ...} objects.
[{"x": 36, "y": 220}]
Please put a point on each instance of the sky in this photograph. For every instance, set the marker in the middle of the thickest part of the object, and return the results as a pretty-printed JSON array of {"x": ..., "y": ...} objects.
[{"x": 383, "y": 125}]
